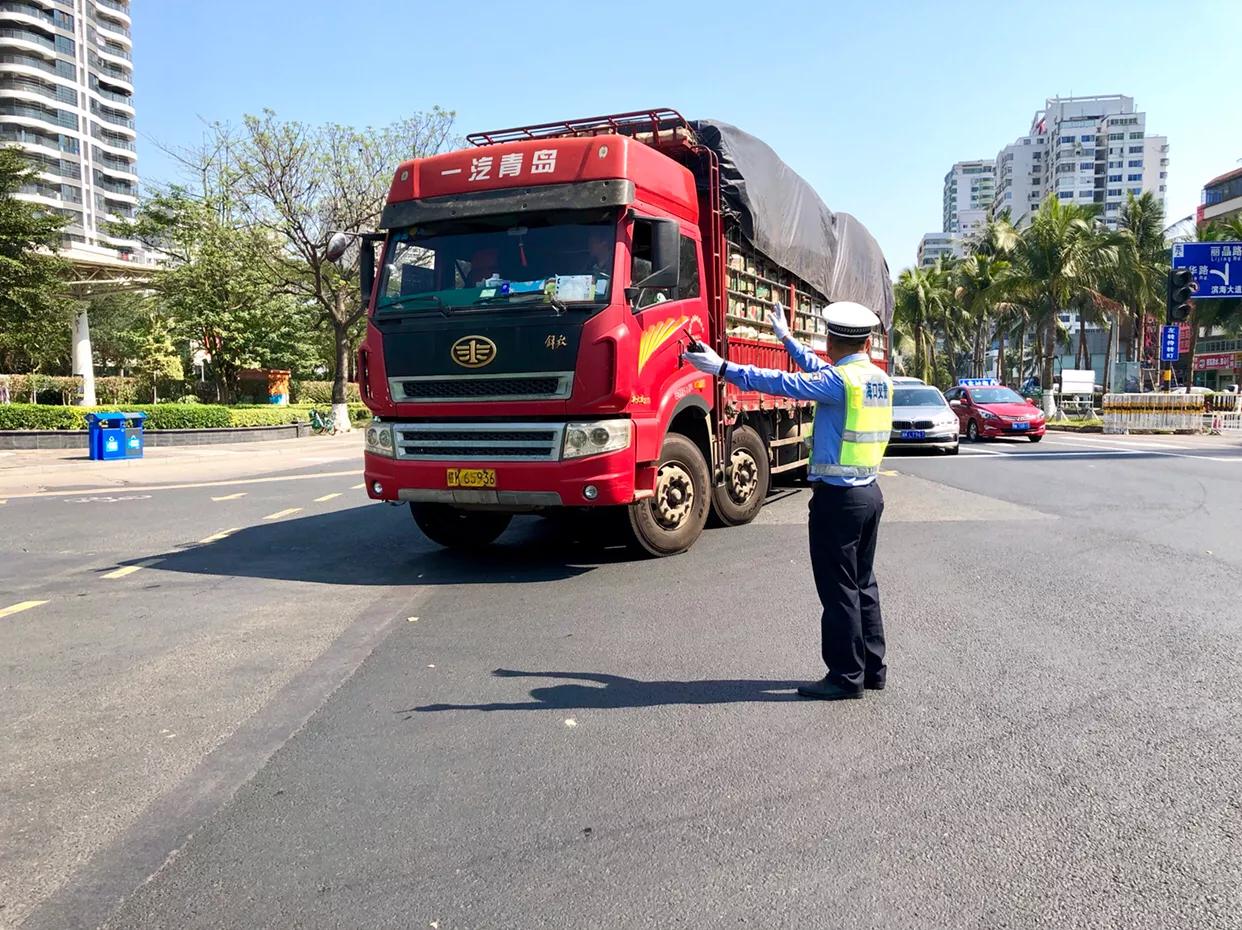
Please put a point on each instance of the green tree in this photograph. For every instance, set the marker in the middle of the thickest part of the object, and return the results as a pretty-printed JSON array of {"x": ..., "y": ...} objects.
[
  {"x": 980, "y": 279},
  {"x": 216, "y": 285},
  {"x": 300, "y": 183},
  {"x": 34, "y": 316},
  {"x": 922, "y": 304},
  {"x": 153, "y": 353},
  {"x": 1059, "y": 263}
]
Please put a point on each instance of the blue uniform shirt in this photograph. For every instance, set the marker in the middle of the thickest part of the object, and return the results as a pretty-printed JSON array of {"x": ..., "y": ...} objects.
[{"x": 820, "y": 383}]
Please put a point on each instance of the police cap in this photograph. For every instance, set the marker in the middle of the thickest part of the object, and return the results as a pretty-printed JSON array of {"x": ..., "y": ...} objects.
[{"x": 848, "y": 320}]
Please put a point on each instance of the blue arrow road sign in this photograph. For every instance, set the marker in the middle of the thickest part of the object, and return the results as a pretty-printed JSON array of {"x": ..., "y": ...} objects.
[
  {"x": 1170, "y": 343},
  {"x": 1217, "y": 267}
]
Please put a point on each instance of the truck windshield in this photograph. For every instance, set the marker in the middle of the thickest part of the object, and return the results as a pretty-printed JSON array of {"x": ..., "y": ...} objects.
[{"x": 498, "y": 261}]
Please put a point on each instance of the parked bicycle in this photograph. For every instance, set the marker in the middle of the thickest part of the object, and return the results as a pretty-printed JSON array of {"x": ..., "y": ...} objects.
[{"x": 322, "y": 421}]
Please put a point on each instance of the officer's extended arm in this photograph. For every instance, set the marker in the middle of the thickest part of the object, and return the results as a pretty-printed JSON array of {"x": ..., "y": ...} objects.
[{"x": 823, "y": 386}]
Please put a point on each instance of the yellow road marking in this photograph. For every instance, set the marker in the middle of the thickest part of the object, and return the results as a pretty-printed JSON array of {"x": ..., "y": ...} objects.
[
  {"x": 358, "y": 487},
  {"x": 216, "y": 537},
  {"x": 130, "y": 569},
  {"x": 325, "y": 498},
  {"x": 889, "y": 473},
  {"x": 181, "y": 487},
  {"x": 230, "y": 497},
  {"x": 283, "y": 513},
  {"x": 18, "y": 608}
]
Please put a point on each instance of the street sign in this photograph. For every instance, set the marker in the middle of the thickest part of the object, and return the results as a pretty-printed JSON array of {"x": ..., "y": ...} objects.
[
  {"x": 1216, "y": 266},
  {"x": 1170, "y": 344},
  {"x": 977, "y": 382}
]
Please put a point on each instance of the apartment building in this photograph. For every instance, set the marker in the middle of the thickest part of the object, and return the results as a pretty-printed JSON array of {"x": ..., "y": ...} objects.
[
  {"x": 1084, "y": 150},
  {"x": 1222, "y": 197},
  {"x": 66, "y": 98}
]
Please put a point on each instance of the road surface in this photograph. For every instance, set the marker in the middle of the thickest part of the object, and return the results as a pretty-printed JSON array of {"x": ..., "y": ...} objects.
[{"x": 240, "y": 703}]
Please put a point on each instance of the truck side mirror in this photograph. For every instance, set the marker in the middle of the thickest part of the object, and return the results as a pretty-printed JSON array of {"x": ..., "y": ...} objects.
[{"x": 665, "y": 255}]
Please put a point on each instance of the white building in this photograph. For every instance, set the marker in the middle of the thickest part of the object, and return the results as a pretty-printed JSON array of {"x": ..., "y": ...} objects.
[
  {"x": 969, "y": 188},
  {"x": 66, "y": 98},
  {"x": 937, "y": 245},
  {"x": 1085, "y": 150}
]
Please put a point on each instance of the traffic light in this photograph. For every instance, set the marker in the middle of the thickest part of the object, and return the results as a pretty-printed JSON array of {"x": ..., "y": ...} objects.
[{"x": 1181, "y": 287}]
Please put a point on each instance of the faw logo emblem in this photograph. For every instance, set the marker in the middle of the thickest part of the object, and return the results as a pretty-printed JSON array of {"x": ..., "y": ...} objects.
[{"x": 473, "y": 351}]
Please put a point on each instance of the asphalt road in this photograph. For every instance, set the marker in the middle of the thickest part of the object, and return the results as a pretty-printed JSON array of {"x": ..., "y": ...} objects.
[{"x": 303, "y": 715}]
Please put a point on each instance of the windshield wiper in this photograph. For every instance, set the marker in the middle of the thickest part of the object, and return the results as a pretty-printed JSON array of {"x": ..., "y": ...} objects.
[
  {"x": 398, "y": 301},
  {"x": 539, "y": 297}
]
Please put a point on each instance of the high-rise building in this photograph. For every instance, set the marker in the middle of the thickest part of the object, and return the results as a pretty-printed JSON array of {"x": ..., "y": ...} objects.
[
  {"x": 968, "y": 191},
  {"x": 66, "y": 98},
  {"x": 1084, "y": 150}
]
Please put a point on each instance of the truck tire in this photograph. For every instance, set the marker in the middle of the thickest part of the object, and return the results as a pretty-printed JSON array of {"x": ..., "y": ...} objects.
[
  {"x": 672, "y": 520},
  {"x": 455, "y": 528},
  {"x": 747, "y": 476}
]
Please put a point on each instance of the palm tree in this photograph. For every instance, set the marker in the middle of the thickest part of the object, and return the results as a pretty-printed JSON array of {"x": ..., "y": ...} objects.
[
  {"x": 980, "y": 278},
  {"x": 1143, "y": 265},
  {"x": 921, "y": 301},
  {"x": 1059, "y": 263}
]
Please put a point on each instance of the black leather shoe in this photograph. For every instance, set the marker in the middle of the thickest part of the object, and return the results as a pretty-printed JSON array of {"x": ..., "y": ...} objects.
[
  {"x": 825, "y": 690},
  {"x": 874, "y": 684}
]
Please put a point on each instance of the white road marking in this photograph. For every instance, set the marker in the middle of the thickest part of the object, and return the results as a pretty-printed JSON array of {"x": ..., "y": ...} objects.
[
  {"x": 18, "y": 608},
  {"x": 126, "y": 570},
  {"x": 199, "y": 484},
  {"x": 358, "y": 487},
  {"x": 216, "y": 537},
  {"x": 230, "y": 497},
  {"x": 283, "y": 513},
  {"x": 326, "y": 498}
]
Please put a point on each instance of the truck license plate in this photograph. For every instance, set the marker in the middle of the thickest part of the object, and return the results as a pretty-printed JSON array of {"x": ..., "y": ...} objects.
[{"x": 471, "y": 478}]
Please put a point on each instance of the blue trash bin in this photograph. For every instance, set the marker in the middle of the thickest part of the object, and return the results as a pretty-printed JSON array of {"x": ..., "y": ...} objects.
[{"x": 114, "y": 436}]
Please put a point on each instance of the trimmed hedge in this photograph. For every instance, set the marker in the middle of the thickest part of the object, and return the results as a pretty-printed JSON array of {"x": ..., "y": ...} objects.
[{"x": 163, "y": 416}]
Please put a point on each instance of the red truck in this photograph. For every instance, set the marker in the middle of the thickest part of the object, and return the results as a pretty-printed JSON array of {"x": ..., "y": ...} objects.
[{"x": 531, "y": 303}]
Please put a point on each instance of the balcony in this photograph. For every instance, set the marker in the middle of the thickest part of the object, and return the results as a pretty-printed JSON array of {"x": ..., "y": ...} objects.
[
  {"x": 115, "y": 119},
  {"x": 57, "y": 19},
  {"x": 28, "y": 35},
  {"x": 115, "y": 188},
  {"x": 106, "y": 47},
  {"x": 61, "y": 167},
  {"x": 112, "y": 163},
  {"x": 125, "y": 100},
  {"x": 61, "y": 192},
  {"x": 23, "y": 136},
  {"x": 26, "y": 85},
  {"x": 111, "y": 25},
  {"x": 43, "y": 114},
  {"x": 114, "y": 5},
  {"x": 111, "y": 139},
  {"x": 59, "y": 68},
  {"x": 110, "y": 70}
]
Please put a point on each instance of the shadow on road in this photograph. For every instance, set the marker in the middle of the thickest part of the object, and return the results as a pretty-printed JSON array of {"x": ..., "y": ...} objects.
[
  {"x": 374, "y": 545},
  {"x": 619, "y": 692}
]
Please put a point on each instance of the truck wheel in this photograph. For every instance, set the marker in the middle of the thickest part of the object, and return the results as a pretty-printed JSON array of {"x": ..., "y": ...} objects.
[
  {"x": 672, "y": 520},
  {"x": 454, "y": 528},
  {"x": 747, "y": 475}
]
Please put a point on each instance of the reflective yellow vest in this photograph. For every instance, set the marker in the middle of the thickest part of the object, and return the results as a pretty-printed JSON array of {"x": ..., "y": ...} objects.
[{"x": 868, "y": 424}]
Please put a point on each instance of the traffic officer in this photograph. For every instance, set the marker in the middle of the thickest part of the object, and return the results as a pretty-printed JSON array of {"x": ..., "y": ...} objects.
[{"x": 853, "y": 420}]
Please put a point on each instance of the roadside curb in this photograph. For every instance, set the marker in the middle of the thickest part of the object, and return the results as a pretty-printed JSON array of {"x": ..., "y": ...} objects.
[{"x": 77, "y": 439}]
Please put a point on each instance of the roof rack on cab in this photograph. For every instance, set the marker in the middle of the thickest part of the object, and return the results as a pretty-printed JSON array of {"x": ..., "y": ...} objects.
[{"x": 654, "y": 127}]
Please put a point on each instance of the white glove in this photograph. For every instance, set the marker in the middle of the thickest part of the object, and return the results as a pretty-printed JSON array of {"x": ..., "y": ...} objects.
[
  {"x": 780, "y": 326},
  {"x": 705, "y": 360}
]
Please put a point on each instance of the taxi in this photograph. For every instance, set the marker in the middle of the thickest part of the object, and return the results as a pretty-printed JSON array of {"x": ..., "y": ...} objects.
[{"x": 987, "y": 410}]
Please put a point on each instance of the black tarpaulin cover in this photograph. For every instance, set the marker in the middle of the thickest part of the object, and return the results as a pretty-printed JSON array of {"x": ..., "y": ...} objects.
[{"x": 782, "y": 216}]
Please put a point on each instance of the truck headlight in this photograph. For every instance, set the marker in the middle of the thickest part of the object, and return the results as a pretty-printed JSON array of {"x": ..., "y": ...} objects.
[
  {"x": 595, "y": 438},
  {"x": 379, "y": 440}
]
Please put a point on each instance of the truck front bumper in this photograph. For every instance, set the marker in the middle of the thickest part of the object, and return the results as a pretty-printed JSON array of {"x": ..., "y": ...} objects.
[{"x": 592, "y": 481}]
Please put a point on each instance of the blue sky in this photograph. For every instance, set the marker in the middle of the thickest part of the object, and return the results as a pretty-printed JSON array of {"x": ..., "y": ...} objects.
[{"x": 871, "y": 102}]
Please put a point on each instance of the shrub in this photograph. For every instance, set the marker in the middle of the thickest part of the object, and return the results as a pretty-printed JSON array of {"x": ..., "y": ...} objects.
[
  {"x": 320, "y": 392},
  {"x": 265, "y": 415},
  {"x": 41, "y": 416},
  {"x": 188, "y": 413}
]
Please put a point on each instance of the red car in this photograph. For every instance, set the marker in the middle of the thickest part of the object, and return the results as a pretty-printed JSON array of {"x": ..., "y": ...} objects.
[{"x": 987, "y": 410}]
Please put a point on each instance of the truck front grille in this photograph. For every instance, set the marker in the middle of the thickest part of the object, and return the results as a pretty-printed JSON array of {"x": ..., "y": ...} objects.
[
  {"x": 538, "y": 386},
  {"x": 483, "y": 442}
]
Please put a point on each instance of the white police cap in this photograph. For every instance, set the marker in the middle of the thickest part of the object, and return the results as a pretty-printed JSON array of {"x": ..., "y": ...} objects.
[{"x": 850, "y": 320}]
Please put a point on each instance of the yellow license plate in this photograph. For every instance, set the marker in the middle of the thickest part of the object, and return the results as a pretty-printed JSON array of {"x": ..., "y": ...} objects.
[{"x": 471, "y": 478}]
